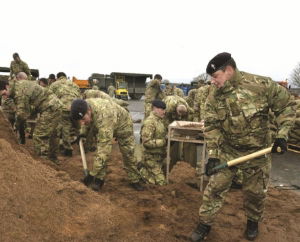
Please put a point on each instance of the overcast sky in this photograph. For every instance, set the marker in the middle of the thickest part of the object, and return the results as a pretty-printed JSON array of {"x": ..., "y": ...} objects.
[{"x": 171, "y": 37}]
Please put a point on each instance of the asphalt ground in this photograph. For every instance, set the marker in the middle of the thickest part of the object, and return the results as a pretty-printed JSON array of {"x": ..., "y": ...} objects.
[{"x": 285, "y": 173}]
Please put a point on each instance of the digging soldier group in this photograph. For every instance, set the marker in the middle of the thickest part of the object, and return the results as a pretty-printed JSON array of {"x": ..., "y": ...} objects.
[{"x": 234, "y": 107}]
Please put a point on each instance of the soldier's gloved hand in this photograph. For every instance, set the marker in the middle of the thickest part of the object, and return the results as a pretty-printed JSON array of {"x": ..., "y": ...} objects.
[
  {"x": 281, "y": 143},
  {"x": 211, "y": 164},
  {"x": 80, "y": 136},
  {"x": 160, "y": 142}
]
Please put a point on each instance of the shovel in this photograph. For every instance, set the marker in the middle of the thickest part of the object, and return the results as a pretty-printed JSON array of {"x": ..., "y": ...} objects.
[
  {"x": 245, "y": 158},
  {"x": 83, "y": 158}
]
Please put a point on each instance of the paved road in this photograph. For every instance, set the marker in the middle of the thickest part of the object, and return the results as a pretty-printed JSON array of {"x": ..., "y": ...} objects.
[{"x": 285, "y": 168}]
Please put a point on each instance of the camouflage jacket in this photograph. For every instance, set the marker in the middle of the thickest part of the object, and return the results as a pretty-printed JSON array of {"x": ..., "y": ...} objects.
[
  {"x": 110, "y": 120},
  {"x": 66, "y": 91},
  {"x": 190, "y": 99},
  {"x": 30, "y": 97},
  {"x": 153, "y": 91},
  {"x": 168, "y": 90},
  {"x": 8, "y": 105},
  {"x": 177, "y": 91},
  {"x": 199, "y": 103},
  {"x": 294, "y": 135},
  {"x": 99, "y": 94},
  {"x": 237, "y": 114},
  {"x": 153, "y": 133},
  {"x": 171, "y": 104},
  {"x": 16, "y": 67}
]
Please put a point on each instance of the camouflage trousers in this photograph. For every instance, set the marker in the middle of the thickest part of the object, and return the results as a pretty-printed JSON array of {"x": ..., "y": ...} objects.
[
  {"x": 152, "y": 171},
  {"x": 65, "y": 131},
  {"x": 147, "y": 109},
  {"x": 126, "y": 142},
  {"x": 45, "y": 139},
  {"x": 255, "y": 182},
  {"x": 91, "y": 141}
]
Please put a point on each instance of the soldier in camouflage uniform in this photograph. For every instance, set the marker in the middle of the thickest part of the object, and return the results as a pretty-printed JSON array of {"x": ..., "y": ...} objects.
[
  {"x": 89, "y": 144},
  {"x": 168, "y": 91},
  {"x": 236, "y": 124},
  {"x": 29, "y": 97},
  {"x": 153, "y": 133},
  {"x": 17, "y": 65},
  {"x": 177, "y": 109},
  {"x": 109, "y": 120},
  {"x": 66, "y": 91},
  {"x": 153, "y": 92},
  {"x": 51, "y": 79},
  {"x": 111, "y": 91}
]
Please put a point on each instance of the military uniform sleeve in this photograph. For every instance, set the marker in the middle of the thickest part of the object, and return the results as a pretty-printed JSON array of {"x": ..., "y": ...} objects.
[
  {"x": 283, "y": 107},
  {"x": 148, "y": 139},
  {"x": 12, "y": 68},
  {"x": 212, "y": 130}
]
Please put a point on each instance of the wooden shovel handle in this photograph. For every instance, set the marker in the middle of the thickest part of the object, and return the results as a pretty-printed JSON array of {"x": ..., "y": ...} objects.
[
  {"x": 251, "y": 156},
  {"x": 83, "y": 158}
]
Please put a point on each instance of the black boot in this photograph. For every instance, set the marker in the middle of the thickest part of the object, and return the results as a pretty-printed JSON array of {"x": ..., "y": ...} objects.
[
  {"x": 68, "y": 153},
  {"x": 88, "y": 180},
  {"x": 137, "y": 186},
  {"x": 252, "y": 230},
  {"x": 235, "y": 185},
  {"x": 200, "y": 232},
  {"x": 97, "y": 184},
  {"x": 54, "y": 159}
]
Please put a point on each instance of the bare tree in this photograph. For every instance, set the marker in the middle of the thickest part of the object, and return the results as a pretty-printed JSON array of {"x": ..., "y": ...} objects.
[
  {"x": 202, "y": 76},
  {"x": 295, "y": 76}
]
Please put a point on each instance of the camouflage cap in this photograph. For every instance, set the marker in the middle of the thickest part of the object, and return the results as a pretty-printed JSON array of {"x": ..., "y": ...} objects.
[
  {"x": 79, "y": 108},
  {"x": 159, "y": 104},
  {"x": 217, "y": 62}
]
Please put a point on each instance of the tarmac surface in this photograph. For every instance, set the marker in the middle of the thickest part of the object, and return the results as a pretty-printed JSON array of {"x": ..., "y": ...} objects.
[{"x": 285, "y": 173}]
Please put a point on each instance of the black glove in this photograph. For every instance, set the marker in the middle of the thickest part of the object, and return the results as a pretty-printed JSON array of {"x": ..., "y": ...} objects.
[
  {"x": 88, "y": 180},
  {"x": 281, "y": 143},
  {"x": 212, "y": 163}
]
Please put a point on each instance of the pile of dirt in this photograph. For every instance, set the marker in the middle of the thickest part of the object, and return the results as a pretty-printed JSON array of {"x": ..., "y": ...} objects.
[{"x": 43, "y": 202}]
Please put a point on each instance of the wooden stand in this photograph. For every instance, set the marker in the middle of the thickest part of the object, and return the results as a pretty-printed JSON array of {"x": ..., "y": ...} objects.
[{"x": 189, "y": 132}]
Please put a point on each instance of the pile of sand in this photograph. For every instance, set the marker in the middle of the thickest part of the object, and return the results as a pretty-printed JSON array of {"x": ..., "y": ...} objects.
[{"x": 39, "y": 203}]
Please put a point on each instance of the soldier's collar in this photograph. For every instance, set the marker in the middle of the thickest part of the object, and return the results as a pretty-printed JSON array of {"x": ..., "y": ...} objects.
[
  {"x": 231, "y": 83},
  {"x": 237, "y": 76}
]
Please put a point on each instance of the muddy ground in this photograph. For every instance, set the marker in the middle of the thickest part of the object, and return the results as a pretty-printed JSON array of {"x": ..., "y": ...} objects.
[{"x": 41, "y": 201}]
